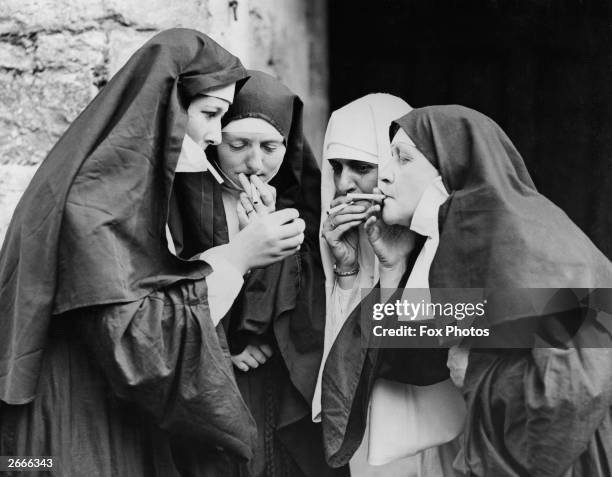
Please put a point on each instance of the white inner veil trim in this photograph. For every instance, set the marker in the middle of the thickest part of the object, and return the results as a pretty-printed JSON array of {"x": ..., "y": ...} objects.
[
  {"x": 252, "y": 125},
  {"x": 226, "y": 92}
]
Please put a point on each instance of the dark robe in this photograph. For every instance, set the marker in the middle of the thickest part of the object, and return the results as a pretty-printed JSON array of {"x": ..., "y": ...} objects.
[
  {"x": 108, "y": 357},
  {"x": 282, "y": 303},
  {"x": 534, "y": 412},
  {"x": 355, "y": 362}
]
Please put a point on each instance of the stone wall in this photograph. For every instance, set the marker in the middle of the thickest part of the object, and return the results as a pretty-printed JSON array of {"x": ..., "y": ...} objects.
[{"x": 56, "y": 54}]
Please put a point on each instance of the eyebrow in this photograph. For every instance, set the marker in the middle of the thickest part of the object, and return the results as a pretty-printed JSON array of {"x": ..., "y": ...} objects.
[{"x": 351, "y": 162}]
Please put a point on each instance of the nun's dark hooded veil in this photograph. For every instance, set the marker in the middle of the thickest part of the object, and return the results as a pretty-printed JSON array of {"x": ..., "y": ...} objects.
[
  {"x": 496, "y": 230},
  {"x": 87, "y": 241},
  {"x": 283, "y": 301},
  {"x": 89, "y": 229},
  {"x": 539, "y": 412}
]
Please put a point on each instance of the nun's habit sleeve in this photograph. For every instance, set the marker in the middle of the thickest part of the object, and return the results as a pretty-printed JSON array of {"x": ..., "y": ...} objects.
[
  {"x": 163, "y": 353},
  {"x": 544, "y": 411}
]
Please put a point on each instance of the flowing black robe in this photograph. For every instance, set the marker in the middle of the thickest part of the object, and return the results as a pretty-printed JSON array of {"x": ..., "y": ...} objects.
[{"x": 108, "y": 357}]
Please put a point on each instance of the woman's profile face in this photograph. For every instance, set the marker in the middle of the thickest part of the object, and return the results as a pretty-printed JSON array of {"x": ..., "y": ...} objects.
[
  {"x": 204, "y": 120},
  {"x": 404, "y": 179},
  {"x": 351, "y": 176},
  {"x": 258, "y": 151}
]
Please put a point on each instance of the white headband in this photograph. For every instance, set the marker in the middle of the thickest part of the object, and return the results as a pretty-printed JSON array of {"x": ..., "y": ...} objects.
[
  {"x": 223, "y": 92},
  {"x": 251, "y": 125}
]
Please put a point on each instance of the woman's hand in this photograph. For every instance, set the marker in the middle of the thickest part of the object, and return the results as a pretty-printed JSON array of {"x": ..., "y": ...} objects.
[
  {"x": 391, "y": 243},
  {"x": 267, "y": 240},
  {"x": 252, "y": 356},
  {"x": 260, "y": 200},
  {"x": 341, "y": 233}
]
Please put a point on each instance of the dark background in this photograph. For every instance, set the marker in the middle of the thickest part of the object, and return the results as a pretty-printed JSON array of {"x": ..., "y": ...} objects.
[{"x": 541, "y": 69}]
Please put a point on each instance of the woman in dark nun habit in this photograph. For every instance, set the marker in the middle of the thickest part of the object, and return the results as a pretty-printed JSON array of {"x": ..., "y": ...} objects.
[
  {"x": 275, "y": 328},
  {"x": 539, "y": 411},
  {"x": 110, "y": 358},
  {"x": 392, "y": 412}
]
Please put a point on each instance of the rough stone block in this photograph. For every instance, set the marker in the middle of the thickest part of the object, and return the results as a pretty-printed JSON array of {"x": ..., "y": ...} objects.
[
  {"x": 34, "y": 15},
  {"x": 35, "y": 109},
  {"x": 9, "y": 25},
  {"x": 71, "y": 52},
  {"x": 13, "y": 181},
  {"x": 13, "y": 57},
  {"x": 159, "y": 14}
]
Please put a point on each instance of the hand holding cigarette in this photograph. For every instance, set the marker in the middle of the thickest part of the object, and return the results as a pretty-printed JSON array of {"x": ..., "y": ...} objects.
[
  {"x": 258, "y": 199},
  {"x": 340, "y": 230}
]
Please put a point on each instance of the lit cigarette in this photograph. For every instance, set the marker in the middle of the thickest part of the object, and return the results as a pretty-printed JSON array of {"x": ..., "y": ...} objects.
[
  {"x": 365, "y": 196},
  {"x": 338, "y": 208}
]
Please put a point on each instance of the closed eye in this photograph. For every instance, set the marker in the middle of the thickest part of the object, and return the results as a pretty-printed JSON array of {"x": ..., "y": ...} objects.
[
  {"x": 211, "y": 114},
  {"x": 237, "y": 145},
  {"x": 270, "y": 146}
]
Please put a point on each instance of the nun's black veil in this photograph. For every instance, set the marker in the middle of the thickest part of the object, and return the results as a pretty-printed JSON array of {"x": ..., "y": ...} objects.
[
  {"x": 89, "y": 229},
  {"x": 496, "y": 229}
]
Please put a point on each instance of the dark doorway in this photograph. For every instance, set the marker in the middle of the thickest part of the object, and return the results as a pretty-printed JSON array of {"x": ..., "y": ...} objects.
[{"x": 541, "y": 68}]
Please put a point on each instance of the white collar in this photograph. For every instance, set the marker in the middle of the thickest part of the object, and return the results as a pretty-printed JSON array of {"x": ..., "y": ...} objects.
[
  {"x": 193, "y": 159},
  {"x": 425, "y": 217}
]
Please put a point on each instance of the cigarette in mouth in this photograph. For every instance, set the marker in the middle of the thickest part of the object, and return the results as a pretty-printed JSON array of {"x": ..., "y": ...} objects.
[
  {"x": 254, "y": 194},
  {"x": 352, "y": 196}
]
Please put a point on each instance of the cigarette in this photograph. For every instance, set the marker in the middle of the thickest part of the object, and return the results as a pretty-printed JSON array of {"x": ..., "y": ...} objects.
[
  {"x": 254, "y": 194},
  {"x": 246, "y": 185},
  {"x": 338, "y": 208},
  {"x": 365, "y": 196}
]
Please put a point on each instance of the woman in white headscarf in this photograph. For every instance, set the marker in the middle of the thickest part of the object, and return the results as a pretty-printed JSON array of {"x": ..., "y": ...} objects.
[
  {"x": 378, "y": 407},
  {"x": 356, "y": 145}
]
